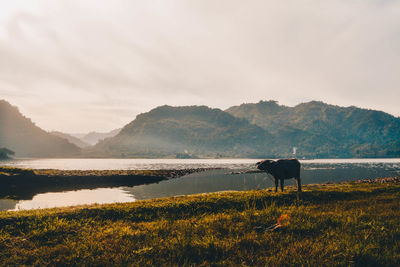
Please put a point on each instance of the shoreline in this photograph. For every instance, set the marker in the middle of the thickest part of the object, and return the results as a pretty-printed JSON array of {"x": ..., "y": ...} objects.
[{"x": 290, "y": 190}]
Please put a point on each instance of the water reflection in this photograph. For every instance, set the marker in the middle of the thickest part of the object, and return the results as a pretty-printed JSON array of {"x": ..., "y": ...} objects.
[
  {"x": 203, "y": 182},
  {"x": 72, "y": 198},
  {"x": 26, "y": 187},
  {"x": 7, "y": 204},
  {"x": 222, "y": 180}
]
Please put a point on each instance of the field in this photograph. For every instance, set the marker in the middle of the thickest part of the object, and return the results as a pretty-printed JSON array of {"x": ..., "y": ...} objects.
[{"x": 356, "y": 224}]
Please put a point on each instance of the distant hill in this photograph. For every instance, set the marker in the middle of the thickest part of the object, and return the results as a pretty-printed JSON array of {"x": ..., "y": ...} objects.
[
  {"x": 22, "y": 136},
  {"x": 5, "y": 153},
  {"x": 198, "y": 131},
  {"x": 323, "y": 130},
  {"x": 72, "y": 139},
  {"x": 93, "y": 138}
]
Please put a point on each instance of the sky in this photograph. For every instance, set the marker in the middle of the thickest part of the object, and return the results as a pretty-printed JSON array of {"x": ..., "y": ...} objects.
[{"x": 80, "y": 66}]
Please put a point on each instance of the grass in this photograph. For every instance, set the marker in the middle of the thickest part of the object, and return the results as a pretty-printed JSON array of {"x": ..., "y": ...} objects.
[{"x": 332, "y": 225}]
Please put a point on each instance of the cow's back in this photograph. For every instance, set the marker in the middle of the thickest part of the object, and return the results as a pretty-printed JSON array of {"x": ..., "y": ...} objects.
[{"x": 288, "y": 168}]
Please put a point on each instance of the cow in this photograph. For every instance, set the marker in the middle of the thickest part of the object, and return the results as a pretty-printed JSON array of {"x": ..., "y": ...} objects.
[{"x": 281, "y": 169}]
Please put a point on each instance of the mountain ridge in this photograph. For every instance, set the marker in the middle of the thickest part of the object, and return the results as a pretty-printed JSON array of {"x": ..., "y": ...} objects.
[
  {"x": 351, "y": 129},
  {"x": 263, "y": 129},
  {"x": 200, "y": 130},
  {"x": 19, "y": 134}
]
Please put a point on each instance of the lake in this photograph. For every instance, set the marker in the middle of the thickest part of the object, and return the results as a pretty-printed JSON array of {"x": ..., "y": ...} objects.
[{"x": 313, "y": 171}]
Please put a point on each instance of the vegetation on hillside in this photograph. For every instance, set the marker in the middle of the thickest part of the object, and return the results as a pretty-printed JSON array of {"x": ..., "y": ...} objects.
[
  {"x": 196, "y": 130},
  {"x": 260, "y": 130},
  {"x": 332, "y": 225},
  {"x": 321, "y": 130},
  {"x": 21, "y": 135}
]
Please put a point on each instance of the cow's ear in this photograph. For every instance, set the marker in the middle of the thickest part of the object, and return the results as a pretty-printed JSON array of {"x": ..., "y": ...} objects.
[{"x": 258, "y": 163}]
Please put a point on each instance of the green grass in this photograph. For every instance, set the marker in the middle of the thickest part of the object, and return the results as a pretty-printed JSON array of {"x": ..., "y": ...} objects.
[{"x": 332, "y": 225}]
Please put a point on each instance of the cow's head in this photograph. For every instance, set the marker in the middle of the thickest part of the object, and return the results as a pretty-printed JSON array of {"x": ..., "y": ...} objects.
[{"x": 265, "y": 165}]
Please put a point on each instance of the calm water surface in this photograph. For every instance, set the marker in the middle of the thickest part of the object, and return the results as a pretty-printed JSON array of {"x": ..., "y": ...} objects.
[{"x": 313, "y": 171}]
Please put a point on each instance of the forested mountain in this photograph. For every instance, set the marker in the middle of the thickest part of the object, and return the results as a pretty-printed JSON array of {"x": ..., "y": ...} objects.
[
  {"x": 264, "y": 129},
  {"x": 322, "y": 130},
  {"x": 193, "y": 131},
  {"x": 22, "y": 136}
]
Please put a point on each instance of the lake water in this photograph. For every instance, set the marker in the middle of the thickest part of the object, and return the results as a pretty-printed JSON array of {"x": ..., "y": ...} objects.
[{"x": 313, "y": 171}]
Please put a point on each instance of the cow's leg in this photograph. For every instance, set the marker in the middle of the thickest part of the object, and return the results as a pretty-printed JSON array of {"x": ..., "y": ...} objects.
[
  {"x": 298, "y": 184},
  {"x": 282, "y": 182},
  {"x": 276, "y": 185}
]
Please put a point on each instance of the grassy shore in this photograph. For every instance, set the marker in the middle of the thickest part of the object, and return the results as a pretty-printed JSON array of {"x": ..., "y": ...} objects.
[{"x": 355, "y": 224}]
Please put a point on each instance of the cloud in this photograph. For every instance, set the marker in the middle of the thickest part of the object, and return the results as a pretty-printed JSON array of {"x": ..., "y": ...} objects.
[{"x": 94, "y": 65}]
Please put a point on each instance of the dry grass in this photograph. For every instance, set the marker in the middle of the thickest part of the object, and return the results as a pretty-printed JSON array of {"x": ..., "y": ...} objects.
[{"x": 333, "y": 225}]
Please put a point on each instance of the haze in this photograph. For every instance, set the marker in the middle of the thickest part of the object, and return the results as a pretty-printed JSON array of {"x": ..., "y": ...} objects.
[{"x": 78, "y": 66}]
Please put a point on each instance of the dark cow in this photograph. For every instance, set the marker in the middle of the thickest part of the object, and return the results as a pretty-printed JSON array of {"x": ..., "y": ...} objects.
[{"x": 282, "y": 169}]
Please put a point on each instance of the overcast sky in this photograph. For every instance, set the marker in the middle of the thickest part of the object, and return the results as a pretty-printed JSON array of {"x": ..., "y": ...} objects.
[{"x": 77, "y": 66}]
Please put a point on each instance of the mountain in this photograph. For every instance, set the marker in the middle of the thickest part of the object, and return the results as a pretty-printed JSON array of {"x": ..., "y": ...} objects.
[
  {"x": 72, "y": 139},
  {"x": 22, "y": 136},
  {"x": 93, "y": 138},
  {"x": 322, "y": 130},
  {"x": 197, "y": 131},
  {"x": 264, "y": 129}
]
